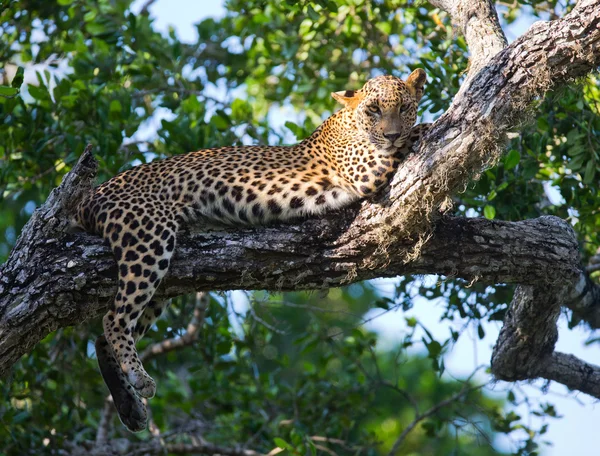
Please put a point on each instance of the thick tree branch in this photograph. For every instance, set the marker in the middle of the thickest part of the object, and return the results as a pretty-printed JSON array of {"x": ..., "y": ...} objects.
[
  {"x": 72, "y": 278},
  {"x": 573, "y": 373},
  {"x": 525, "y": 346},
  {"x": 470, "y": 134}
]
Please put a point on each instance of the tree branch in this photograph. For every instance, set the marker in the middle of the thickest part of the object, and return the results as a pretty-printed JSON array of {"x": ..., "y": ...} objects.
[
  {"x": 573, "y": 373},
  {"x": 146, "y": 7},
  {"x": 69, "y": 279},
  {"x": 187, "y": 338},
  {"x": 525, "y": 346}
]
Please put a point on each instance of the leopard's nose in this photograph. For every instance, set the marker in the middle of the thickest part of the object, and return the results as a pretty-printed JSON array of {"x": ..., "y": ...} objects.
[{"x": 391, "y": 137}]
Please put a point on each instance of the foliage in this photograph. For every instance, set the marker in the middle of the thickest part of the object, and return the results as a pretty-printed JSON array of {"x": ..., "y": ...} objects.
[{"x": 98, "y": 72}]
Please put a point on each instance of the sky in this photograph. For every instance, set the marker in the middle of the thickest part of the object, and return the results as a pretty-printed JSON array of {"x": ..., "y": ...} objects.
[{"x": 575, "y": 432}]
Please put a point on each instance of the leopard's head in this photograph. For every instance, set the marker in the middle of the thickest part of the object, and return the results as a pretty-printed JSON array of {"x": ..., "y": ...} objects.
[{"x": 385, "y": 108}]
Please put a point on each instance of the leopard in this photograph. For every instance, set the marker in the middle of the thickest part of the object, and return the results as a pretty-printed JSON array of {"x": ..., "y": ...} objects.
[{"x": 351, "y": 156}]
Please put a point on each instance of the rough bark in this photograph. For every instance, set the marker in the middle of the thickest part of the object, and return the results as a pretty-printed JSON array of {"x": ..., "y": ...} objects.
[{"x": 53, "y": 279}]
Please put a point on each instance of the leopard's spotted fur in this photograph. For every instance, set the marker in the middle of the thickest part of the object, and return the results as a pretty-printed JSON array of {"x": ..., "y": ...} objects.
[{"x": 351, "y": 155}]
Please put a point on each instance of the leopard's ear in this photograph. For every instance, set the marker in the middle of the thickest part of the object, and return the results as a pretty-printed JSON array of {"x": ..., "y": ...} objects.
[
  {"x": 416, "y": 81},
  {"x": 349, "y": 98}
]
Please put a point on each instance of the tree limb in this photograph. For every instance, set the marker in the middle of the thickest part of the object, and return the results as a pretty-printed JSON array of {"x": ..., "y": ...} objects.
[
  {"x": 187, "y": 338},
  {"x": 573, "y": 373}
]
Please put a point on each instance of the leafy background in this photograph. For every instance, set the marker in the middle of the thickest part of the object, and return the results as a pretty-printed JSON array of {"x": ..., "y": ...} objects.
[{"x": 278, "y": 370}]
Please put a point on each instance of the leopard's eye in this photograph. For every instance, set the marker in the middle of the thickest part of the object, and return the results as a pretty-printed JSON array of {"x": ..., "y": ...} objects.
[
  {"x": 403, "y": 108},
  {"x": 374, "y": 109}
]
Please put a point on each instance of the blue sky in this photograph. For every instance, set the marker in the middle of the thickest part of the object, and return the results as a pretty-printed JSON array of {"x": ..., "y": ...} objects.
[{"x": 575, "y": 433}]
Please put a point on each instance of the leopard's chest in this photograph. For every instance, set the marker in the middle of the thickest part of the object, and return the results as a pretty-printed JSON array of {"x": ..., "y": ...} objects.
[{"x": 368, "y": 173}]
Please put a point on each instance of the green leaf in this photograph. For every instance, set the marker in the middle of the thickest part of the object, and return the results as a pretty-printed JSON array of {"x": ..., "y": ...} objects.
[
  {"x": 502, "y": 186},
  {"x": 20, "y": 417},
  {"x": 241, "y": 110},
  {"x": 90, "y": 16},
  {"x": 429, "y": 428},
  {"x": 331, "y": 6},
  {"x": 282, "y": 443},
  {"x": 65, "y": 2},
  {"x": 220, "y": 122},
  {"x": 382, "y": 304},
  {"x": 38, "y": 92},
  {"x": 512, "y": 159},
  {"x": 575, "y": 150},
  {"x": 223, "y": 348},
  {"x": 7, "y": 91},
  {"x": 313, "y": 14},
  {"x": 297, "y": 130},
  {"x": 384, "y": 27},
  {"x": 18, "y": 79},
  {"x": 115, "y": 106},
  {"x": 489, "y": 212},
  {"x": 411, "y": 322},
  {"x": 433, "y": 348},
  {"x": 480, "y": 332},
  {"x": 577, "y": 162},
  {"x": 590, "y": 171},
  {"x": 95, "y": 28}
]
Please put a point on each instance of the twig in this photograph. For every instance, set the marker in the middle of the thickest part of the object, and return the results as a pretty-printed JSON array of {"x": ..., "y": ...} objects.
[
  {"x": 326, "y": 450},
  {"x": 403, "y": 393},
  {"x": 146, "y": 8},
  {"x": 152, "y": 427},
  {"x": 187, "y": 338},
  {"x": 127, "y": 145},
  {"x": 379, "y": 381},
  {"x": 178, "y": 90},
  {"x": 342, "y": 443},
  {"x": 154, "y": 447},
  {"x": 433, "y": 410},
  {"x": 306, "y": 307},
  {"x": 261, "y": 321}
]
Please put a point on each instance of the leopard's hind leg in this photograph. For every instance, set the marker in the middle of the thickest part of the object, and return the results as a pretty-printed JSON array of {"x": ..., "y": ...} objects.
[{"x": 143, "y": 247}]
